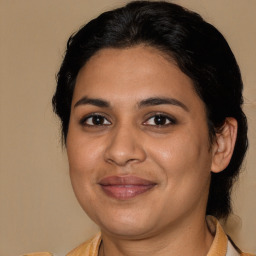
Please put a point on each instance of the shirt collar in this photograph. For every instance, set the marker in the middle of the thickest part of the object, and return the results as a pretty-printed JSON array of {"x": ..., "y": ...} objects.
[{"x": 220, "y": 245}]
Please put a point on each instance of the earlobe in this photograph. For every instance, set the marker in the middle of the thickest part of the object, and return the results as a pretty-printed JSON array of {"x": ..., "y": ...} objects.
[{"x": 224, "y": 145}]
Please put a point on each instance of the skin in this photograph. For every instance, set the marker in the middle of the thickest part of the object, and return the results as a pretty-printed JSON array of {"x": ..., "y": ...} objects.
[{"x": 176, "y": 156}]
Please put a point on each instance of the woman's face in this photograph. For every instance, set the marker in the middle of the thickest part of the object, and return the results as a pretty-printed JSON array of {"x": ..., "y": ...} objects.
[{"x": 138, "y": 143}]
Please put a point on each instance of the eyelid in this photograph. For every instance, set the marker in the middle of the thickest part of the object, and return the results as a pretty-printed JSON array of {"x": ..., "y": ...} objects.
[
  {"x": 90, "y": 115},
  {"x": 170, "y": 118}
]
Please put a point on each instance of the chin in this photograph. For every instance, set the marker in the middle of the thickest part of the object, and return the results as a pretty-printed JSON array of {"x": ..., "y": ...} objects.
[
  {"x": 126, "y": 224},
  {"x": 126, "y": 230}
]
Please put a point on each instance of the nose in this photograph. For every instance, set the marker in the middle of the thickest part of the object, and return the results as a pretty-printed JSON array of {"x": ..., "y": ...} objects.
[{"x": 125, "y": 146}]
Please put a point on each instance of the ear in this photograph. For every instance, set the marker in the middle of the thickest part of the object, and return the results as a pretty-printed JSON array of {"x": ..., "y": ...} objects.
[{"x": 224, "y": 144}]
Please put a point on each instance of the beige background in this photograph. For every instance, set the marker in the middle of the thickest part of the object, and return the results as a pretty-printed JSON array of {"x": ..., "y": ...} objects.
[{"x": 38, "y": 210}]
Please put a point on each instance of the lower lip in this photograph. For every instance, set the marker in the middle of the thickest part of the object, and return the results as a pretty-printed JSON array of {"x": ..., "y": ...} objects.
[{"x": 125, "y": 192}]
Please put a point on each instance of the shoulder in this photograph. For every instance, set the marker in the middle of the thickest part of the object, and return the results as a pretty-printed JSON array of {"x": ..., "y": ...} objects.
[
  {"x": 89, "y": 248},
  {"x": 222, "y": 244},
  {"x": 38, "y": 254},
  {"x": 233, "y": 250}
]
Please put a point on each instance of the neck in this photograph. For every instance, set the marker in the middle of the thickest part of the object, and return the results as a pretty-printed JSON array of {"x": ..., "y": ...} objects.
[{"x": 188, "y": 238}]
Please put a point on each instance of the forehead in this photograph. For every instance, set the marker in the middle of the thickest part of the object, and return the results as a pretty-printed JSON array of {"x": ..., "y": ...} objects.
[{"x": 133, "y": 73}]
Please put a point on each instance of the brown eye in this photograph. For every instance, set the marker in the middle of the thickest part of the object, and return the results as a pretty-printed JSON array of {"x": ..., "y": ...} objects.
[
  {"x": 159, "y": 120},
  {"x": 95, "y": 120}
]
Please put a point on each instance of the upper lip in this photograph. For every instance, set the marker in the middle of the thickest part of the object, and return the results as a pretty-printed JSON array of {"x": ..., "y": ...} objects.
[{"x": 125, "y": 180}]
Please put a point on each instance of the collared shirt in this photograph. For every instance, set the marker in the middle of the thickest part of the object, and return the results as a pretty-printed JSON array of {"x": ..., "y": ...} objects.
[{"x": 221, "y": 246}]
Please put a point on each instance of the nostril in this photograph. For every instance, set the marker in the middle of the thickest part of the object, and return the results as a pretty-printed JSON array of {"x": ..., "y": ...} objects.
[
  {"x": 122, "y": 151},
  {"x": 121, "y": 163}
]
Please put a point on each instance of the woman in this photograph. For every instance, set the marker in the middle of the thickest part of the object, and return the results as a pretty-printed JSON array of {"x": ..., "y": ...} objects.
[{"x": 149, "y": 96}]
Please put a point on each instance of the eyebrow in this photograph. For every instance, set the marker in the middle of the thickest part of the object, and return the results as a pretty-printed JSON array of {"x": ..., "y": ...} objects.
[
  {"x": 154, "y": 101},
  {"x": 89, "y": 101}
]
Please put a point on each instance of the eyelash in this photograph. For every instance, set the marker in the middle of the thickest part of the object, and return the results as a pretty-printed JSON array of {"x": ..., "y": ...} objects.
[
  {"x": 91, "y": 116},
  {"x": 170, "y": 120},
  {"x": 106, "y": 122}
]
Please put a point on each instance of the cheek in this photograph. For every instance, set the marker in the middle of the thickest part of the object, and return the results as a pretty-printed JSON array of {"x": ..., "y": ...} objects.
[
  {"x": 83, "y": 157},
  {"x": 82, "y": 154},
  {"x": 185, "y": 165},
  {"x": 182, "y": 155}
]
